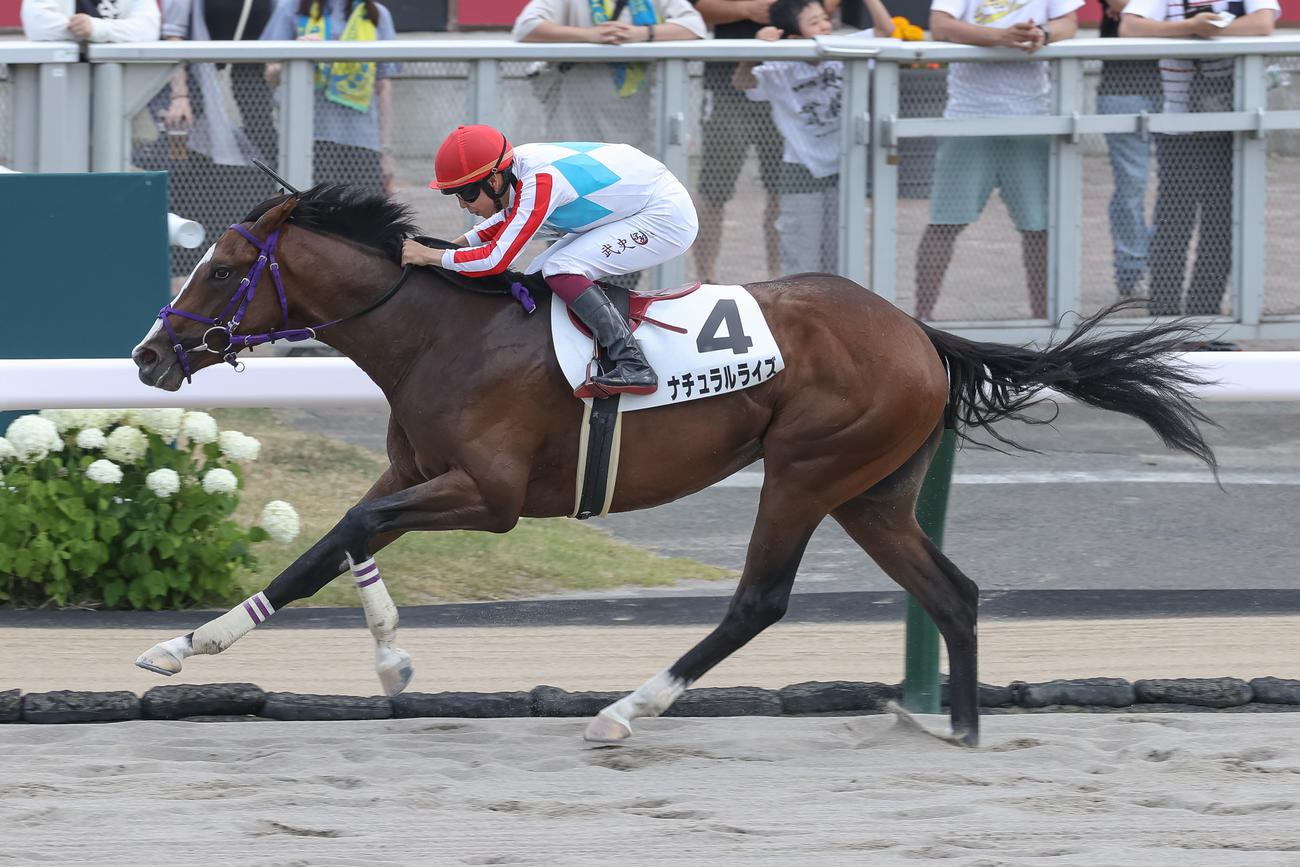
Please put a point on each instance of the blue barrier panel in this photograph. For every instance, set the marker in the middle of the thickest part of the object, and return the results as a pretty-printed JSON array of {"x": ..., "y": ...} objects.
[{"x": 85, "y": 259}]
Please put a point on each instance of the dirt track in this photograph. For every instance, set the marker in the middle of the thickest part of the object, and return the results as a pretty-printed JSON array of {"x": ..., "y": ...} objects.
[{"x": 340, "y": 661}]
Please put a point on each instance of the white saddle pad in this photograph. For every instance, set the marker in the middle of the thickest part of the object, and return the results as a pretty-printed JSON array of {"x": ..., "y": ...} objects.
[{"x": 727, "y": 346}]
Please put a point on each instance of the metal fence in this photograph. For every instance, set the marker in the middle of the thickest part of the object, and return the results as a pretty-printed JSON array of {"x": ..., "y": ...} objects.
[{"x": 869, "y": 216}]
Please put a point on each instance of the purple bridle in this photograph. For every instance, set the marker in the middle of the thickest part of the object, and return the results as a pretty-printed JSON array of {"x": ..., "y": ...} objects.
[{"x": 239, "y": 303}]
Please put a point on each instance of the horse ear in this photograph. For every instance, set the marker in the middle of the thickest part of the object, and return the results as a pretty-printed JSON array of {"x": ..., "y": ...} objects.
[{"x": 274, "y": 217}]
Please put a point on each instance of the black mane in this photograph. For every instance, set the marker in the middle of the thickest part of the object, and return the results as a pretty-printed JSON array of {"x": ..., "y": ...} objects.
[
  {"x": 369, "y": 218},
  {"x": 376, "y": 220}
]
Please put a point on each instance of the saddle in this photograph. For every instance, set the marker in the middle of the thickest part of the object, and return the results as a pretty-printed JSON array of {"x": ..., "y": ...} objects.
[{"x": 637, "y": 305}]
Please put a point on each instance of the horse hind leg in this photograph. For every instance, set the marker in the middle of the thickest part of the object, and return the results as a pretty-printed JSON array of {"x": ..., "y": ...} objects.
[
  {"x": 883, "y": 522},
  {"x": 781, "y": 532}
]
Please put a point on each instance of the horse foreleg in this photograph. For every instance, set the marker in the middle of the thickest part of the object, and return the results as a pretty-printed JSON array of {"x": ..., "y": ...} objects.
[
  {"x": 212, "y": 637},
  {"x": 324, "y": 562},
  {"x": 775, "y": 549},
  {"x": 392, "y": 664}
]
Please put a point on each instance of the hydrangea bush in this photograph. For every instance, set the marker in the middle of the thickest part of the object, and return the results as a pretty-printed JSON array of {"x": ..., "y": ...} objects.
[{"x": 125, "y": 509}]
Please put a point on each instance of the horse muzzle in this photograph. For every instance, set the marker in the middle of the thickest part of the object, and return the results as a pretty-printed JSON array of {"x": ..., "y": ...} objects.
[{"x": 158, "y": 369}]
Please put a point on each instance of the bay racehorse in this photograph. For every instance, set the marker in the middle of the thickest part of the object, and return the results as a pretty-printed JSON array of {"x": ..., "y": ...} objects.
[{"x": 484, "y": 428}]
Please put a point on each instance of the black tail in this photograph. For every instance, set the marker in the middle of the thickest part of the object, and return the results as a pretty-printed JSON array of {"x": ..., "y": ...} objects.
[{"x": 1131, "y": 373}]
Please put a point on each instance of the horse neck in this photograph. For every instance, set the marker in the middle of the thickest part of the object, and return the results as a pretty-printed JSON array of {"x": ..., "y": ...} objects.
[{"x": 385, "y": 342}]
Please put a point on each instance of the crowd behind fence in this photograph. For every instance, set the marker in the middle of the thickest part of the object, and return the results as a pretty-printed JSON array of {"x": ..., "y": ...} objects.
[{"x": 58, "y": 113}]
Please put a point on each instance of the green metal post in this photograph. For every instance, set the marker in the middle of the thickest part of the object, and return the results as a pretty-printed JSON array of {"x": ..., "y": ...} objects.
[{"x": 921, "y": 671}]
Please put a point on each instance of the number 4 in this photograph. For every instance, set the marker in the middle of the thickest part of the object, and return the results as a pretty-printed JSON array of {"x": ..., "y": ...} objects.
[{"x": 725, "y": 312}]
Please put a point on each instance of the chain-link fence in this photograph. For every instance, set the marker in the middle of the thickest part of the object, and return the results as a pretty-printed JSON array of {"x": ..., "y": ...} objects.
[{"x": 983, "y": 226}]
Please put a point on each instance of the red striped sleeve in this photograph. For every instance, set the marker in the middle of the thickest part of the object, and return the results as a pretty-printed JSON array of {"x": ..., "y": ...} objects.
[
  {"x": 490, "y": 233},
  {"x": 532, "y": 204}
]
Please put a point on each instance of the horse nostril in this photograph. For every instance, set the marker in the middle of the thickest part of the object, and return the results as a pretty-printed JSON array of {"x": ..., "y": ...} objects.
[{"x": 146, "y": 357}]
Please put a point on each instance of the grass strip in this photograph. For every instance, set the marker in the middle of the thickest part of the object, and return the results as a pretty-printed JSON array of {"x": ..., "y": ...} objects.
[{"x": 323, "y": 477}]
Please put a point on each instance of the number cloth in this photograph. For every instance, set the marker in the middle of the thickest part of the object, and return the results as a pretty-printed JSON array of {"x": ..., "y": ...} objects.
[{"x": 727, "y": 346}]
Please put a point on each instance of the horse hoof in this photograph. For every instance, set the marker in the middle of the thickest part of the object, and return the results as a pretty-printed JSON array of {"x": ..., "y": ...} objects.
[
  {"x": 606, "y": 730},
  {"x": 394, "y": 668},
  {"x": 160, "y": 659}
]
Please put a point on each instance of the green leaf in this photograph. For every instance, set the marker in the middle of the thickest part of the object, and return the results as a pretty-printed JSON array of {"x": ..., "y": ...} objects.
[
  {"x": 113, "y": 592},
  {"x": 108, "y": 528}
]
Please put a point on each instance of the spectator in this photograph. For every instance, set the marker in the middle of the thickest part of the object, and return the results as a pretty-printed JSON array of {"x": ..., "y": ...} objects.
[
  {"x": 806, "y": 101},
  {"x": 243, "y": 20},
  {"x": 730, "y": 123},
  {"x": 87, "y": 21},
  {"x": 968, "y": 168},
  {"x": 353, "y": 108},
  {"x": 195, "y": 102},
  {"x": 1194, "y": 170},
  {"x": 1127, "y": 87},
  {"x": 201, "y": 147},
  {"x": 595, "y": 101}
]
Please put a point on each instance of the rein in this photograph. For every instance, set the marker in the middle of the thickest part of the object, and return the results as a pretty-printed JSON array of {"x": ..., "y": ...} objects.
[{"x": 239, "y": 303}]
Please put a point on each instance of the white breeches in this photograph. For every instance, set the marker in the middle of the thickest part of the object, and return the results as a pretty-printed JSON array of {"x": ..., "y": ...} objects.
[{"x": 664, "y": 230}]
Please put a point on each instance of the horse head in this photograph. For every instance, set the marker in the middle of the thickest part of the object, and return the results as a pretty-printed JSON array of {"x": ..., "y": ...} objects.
[{"x": 220, "y": 304}]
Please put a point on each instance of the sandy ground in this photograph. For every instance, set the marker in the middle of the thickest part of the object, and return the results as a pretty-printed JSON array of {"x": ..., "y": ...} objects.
[
  {"x": 1062, "y": 789},
  {"x": 340, "y": 661},
  {"x": 1122, "y": 788}
]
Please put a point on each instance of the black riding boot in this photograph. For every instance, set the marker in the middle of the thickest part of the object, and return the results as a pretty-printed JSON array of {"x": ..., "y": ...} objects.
[{"x": 632, "y": 374}]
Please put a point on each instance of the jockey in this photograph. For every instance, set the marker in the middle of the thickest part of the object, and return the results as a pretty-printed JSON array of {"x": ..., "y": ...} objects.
[{"x": 617, "y": 211}]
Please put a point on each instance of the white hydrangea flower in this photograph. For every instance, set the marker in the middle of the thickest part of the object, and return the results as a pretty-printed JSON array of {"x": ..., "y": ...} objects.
[
  {"x": 280, "y": 521},
  {"x": 91, "y": 438},
  {"x": 105, "y": 472},
  {"x": 163, "y": 482},
  {"x": 220, "y": 481},
  {"x": 126, "y": 444},
  {"x": 61, "y": 418},
  {"x": 80, "y": 419},
  {"x": 6, "y": 449},
  {"x": 100, "y": 418},
  {"x": 164, "y": 422},
  {"x": 103, "y": 419},
  {"x": 199, "y": 427},
  {"x": 238, "y": 446},
  {"x": 33, "y": 437}
]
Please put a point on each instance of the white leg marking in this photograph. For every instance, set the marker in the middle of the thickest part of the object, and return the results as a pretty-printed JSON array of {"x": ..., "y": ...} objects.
[
  {"x": 651, "y": 698},
  {"x": 166, "y": 658}
]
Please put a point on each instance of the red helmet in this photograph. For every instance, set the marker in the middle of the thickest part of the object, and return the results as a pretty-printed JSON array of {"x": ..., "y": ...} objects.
[{"x": 470, "y": 154}]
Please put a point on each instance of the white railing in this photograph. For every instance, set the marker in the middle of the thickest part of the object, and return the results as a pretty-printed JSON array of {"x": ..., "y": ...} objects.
[
  {"x": 124, "y": 75},
  {"x": 89, "y": 383}
]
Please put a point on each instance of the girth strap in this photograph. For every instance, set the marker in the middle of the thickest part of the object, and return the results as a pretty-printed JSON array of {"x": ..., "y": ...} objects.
[{"x": 598, "y": 446}]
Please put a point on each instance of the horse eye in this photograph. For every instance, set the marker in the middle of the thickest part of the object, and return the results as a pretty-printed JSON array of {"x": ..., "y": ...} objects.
[{"x": 220, "y": 273}]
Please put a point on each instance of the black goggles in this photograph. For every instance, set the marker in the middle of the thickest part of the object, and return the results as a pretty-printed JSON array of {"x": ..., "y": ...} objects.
[{"x": 467, "y": 193}]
